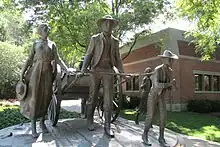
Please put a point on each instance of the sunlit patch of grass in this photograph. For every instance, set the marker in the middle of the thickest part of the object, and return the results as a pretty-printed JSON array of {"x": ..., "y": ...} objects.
[
  {"x": 130, "y": 112},
  {"x": 193, "y": 124}
]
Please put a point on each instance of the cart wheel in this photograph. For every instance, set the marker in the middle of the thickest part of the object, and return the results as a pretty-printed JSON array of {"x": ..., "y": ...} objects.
[
  {"x": 54, "y": 110},
  {"x": 117, "y": 102}
]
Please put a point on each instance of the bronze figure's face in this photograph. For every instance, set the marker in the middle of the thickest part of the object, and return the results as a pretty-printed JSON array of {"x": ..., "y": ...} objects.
[
  {"x": 44, "y": 30},
  {"x": 168, "y": 61},
  {"x": 148, "y": 70},
  {"x": 107, "y": 26}
]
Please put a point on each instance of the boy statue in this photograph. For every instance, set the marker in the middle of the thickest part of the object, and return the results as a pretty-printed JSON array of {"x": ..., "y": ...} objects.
[{"x": 145, "y": 88}]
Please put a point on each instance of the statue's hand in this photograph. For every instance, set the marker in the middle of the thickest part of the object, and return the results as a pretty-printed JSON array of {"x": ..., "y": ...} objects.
[
  {"x": 79, "y": 74},
  {"x": 85, "y": 70},
  {"x": 173, "y": 82},
  {"x": 70, "y": 71},
  {"x": 127, "y": 77}
]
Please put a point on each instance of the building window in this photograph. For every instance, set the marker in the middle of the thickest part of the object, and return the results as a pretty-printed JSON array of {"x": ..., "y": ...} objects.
[
  {"x": 128, "y": 84},
  {"x": 198, "y": 82},
  {"x": 216, "y": 86},
  {"x": 136, "y": 82},
  {"x": 207, "y": 83}
]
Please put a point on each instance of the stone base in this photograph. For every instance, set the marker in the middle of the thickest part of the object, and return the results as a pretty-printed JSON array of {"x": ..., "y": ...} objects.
[{"x": 74, "y": 132}]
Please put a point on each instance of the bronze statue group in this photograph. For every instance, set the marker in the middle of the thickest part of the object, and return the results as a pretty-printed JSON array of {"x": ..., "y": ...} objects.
[{"x": 34, "y": 90}]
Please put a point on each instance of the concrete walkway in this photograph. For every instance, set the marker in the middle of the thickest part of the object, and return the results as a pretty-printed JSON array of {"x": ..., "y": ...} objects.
[{"x": 73, "y": 132}]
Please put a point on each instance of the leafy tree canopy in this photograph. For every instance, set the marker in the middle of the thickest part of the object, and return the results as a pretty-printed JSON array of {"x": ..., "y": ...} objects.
[
  {"x": 74, "y": 22},
  {"x": 206, "y": 16}
]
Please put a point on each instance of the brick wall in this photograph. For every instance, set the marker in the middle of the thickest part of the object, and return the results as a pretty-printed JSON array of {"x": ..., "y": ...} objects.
[
  {"x": 187, "y": 78},
  {"x": 142, "y": 53},
  {"x": 186, "y": 49},
  {"x": 183, "y": 68}
]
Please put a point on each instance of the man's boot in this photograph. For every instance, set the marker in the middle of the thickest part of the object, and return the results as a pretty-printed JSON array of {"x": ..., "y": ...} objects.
[
  {"x": 136, "y": 118},
  {"x": 83, "y": 109},
  {"x": 33, "y": 127},
  {"x": 107, "y": 125},
  {"x": 90, "y": 113},
  {"x": 145, "y": 137},
  {"x": 161, "y": 138}
]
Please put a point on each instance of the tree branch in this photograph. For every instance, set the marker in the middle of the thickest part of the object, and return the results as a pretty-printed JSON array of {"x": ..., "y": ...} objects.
[
  {"x": 103, "y": 7},
  {"x": 134, "y": 42},
  {"x": 65, "y": 19}
]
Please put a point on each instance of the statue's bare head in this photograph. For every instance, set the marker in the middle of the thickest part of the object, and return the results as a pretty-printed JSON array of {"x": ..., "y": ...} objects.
[{"x": 43, "y": 30}]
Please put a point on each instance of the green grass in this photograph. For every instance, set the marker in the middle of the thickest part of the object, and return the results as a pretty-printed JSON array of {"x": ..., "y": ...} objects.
[
  {"x": 192, "y": 124},
  {"x": 10, "y": 115}
]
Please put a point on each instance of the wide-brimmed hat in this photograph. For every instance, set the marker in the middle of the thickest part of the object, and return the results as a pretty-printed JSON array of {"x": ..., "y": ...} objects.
[
  {"x": 108, "y": 17},
  {"x": 168, "y": 54},
  {"x": 21, "y": 90},
  {"x": 147, "y": 70}
]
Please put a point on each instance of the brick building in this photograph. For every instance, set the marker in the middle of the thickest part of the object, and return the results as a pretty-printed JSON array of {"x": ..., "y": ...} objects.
[{"x": 197, "y": 79}]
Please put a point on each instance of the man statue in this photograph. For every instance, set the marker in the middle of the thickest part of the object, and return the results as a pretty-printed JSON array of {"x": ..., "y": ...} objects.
[
  {"x": 145, "y": 88},
  {"x": 39, "y": 73},
  {"x": 102, "y": 55},
  {"x": 161, "y": 83}
]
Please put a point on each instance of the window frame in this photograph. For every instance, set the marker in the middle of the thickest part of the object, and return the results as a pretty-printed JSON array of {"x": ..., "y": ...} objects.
[{"x": 211, "y": 75}]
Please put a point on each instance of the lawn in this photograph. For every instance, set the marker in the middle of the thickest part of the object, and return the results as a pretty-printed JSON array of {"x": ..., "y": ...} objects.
[
  {"x": 10, "y": 115},
  {"x": 192, "y": 124}
]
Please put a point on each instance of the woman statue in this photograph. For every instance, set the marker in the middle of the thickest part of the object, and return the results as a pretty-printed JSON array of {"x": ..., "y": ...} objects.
[{"x": 39, "y": 72}]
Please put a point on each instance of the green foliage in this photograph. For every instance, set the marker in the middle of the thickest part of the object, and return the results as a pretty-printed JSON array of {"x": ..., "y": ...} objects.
[
  {"x": 13, "y": 28},
  {"x": 136, "y": 14},
  {"x": 205, "y": 14},
  {"x": 203, "y": 106},
  {"x": 74, "y": 22},
  {"x": 11, "y": 58},
  {"x": 72, "y": 27},
  {"x": 15, "y": 37},
  {"x": 10, "y": 115}
]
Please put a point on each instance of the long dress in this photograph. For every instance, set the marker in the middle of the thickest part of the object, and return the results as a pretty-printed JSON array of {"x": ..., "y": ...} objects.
[{"x": 40, "y": 80}]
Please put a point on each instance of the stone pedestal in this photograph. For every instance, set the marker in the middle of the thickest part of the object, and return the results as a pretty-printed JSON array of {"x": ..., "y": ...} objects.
[{"x": 73, "y": 132}]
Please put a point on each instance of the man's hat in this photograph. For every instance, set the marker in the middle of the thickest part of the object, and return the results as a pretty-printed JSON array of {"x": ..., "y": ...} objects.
[
  {"x": 147, "y": 70},
  {"x": 21, "y": 90},
  {"x": 107, "y": 17},
  {"x": 168, "y": 54}
]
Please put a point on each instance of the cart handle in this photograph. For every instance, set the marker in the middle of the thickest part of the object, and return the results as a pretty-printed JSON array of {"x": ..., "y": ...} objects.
[{"x": 103, "y": 73}]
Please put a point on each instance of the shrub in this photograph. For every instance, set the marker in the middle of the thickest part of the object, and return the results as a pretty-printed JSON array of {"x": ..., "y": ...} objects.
[
  {"x": 203, "y": 106},
  {"x": 215, "y": 106},
  {"x": 10, "y": 60}
]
